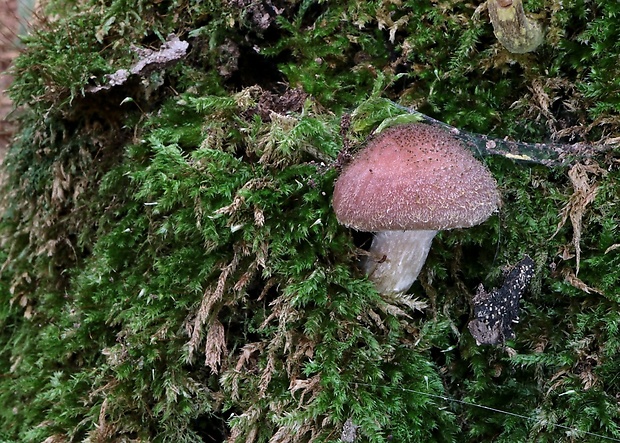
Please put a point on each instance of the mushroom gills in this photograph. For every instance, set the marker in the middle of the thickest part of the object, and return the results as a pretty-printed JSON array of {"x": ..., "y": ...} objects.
[{"x": 396, "y": 259}]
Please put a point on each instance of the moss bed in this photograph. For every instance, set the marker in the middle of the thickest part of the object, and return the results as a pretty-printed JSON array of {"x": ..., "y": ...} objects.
[{"x": 173, "y": 270}]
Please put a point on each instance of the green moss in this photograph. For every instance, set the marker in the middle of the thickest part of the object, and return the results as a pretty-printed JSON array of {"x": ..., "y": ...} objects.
[{"x": 173, "y": 269}]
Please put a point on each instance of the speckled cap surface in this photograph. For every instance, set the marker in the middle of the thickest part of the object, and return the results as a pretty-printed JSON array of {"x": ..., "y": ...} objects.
[{"x": 413, "y": 177}]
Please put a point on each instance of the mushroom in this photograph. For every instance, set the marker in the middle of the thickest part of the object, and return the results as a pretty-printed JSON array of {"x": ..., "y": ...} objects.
[{"x": 409, "y": 182}]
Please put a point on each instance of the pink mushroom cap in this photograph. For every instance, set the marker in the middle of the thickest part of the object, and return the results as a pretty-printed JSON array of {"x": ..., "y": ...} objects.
[{"x": 414, "y": 177}]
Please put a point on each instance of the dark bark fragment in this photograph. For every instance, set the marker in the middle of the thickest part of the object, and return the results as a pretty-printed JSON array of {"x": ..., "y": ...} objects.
[{"x": 495, "y": 312}]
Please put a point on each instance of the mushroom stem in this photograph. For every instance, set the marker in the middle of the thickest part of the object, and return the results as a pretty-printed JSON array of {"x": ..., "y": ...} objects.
[{"x": 396, "y": 258}]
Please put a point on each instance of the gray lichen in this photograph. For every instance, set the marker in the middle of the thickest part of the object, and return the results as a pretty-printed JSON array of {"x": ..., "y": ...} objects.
[{"x": 170, "y": 52}]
